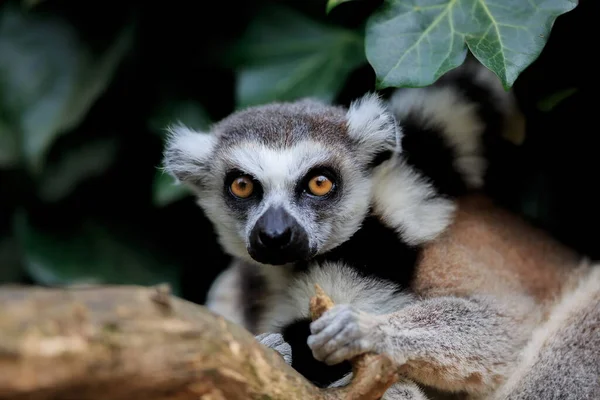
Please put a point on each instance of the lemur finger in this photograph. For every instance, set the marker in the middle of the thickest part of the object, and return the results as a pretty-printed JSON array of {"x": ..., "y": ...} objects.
[
  {"x": 347, "y": 352},
  {"x": 270, "y": 339},
  {"x": 327, "y": 317},
  {"x": 343, "y": 381},
  {"x": 286, "y": 352},
  {"x": 346, "y": 335},
  {"x": 276, "y": 342},
  {"x": 317, "y": 341}
]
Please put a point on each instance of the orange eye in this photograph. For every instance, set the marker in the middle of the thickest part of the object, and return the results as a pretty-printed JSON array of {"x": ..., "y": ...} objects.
[
  {"x": 320, "y": 185},
  {"x": 242, "y": 187}
]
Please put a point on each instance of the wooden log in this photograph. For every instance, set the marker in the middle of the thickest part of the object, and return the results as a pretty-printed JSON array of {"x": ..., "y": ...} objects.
[{"x": 131, "y": 342}]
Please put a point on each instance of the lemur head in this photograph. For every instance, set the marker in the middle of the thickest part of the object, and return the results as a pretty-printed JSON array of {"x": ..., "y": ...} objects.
[{"x": 287, "y": 181}]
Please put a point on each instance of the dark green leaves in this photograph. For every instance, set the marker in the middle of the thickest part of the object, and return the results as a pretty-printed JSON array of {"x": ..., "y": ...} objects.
[
  {"x": 284, "y": 55},
  {"x": 48, "y": 81},
  {"x": 331, "y": 4},
  {"x": 548, "y": 103},
  {"x": 92, "y": 254},
  {"x": 414, "y": 42},
  {"x": 76, "y": 165}
]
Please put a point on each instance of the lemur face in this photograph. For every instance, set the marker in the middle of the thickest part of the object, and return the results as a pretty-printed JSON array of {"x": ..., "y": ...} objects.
[
  {"x": 291, "y": 203},
  {"x": 284, "y": 182}
]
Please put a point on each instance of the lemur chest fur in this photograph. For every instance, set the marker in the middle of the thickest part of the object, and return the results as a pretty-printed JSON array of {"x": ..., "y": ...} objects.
[{"x": 370, "y": 270}]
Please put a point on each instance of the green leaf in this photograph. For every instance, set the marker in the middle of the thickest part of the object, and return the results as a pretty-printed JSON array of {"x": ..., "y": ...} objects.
[
  {"x": 49, "y": 78},
  {"x": 548, "y": 103},
  {"x": 411, "y": 43},
  {"x": 284, "y": 55},
  {"x": 331, "y": 4},
  {"x": 91, "y": 254},
  {"x": 77, "y": 164}
]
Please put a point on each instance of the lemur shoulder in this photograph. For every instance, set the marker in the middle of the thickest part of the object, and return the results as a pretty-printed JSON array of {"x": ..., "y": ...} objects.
[{"x": 383, "y": 205}]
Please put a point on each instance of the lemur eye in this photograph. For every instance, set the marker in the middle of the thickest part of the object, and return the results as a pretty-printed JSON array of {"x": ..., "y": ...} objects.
[
  {"x": 242, "y": 187},
  {"x": 320, "y": 185}
]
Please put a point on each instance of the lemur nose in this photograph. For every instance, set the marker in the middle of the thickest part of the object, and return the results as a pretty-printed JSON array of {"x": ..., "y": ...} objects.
[{"x": 275, "y": 237}]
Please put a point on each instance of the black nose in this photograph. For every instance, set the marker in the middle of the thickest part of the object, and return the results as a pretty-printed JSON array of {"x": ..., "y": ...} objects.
[{"x": 277, "y": 238}]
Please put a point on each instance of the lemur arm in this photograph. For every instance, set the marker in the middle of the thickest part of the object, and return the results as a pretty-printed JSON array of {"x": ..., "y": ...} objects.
[{"x": 448, "y": 343}]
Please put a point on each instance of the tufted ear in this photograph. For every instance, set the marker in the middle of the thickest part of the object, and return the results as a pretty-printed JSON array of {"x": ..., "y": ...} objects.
[
  {"x": 187, "y": 154},
  {"x": 373, "y": 128}
]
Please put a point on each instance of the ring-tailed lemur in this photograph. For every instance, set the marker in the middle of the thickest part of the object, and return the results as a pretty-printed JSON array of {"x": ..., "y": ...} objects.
[{"x": 379, "y": 205}]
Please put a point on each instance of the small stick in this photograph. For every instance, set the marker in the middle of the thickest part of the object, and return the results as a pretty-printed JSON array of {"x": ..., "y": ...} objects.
[{"x": 373, "y": 373}]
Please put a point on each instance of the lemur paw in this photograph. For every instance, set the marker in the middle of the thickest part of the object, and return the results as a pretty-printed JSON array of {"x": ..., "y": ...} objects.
[
  {"x": 342, "y": 333},
  {"x": 275, "y": 341}
]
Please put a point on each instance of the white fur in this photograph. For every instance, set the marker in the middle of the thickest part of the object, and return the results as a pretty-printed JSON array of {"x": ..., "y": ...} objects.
[
  {"x": 275, "y": 167},
  {"x": 342, "y": 284},
  {"x": 194, "y": 148},
  {"x": 224, "y": 295},
  {"x": 372, "y": 126},
  {"x": 462, "y": 128},
  {"x": 409, "y": 204}
]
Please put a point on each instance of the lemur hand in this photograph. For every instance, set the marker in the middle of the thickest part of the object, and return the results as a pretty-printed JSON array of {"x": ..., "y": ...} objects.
[
  {"x": 275, "y": 341},
  {"x": 342, "y": 333}
]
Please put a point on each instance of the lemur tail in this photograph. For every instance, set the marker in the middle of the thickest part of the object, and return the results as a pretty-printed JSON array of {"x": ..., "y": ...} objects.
[{"x": 465, "y": 112}]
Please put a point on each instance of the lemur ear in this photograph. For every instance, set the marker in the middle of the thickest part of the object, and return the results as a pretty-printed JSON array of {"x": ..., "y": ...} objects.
[
  {"x": 187, "y": 154},
  {"x": 372, "y": 126}
]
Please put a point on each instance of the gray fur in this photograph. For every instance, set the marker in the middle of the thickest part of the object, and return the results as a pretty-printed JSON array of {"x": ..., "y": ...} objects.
[
  {"x": 474, "y": 341},
  {"x": 562, "y": 359}
]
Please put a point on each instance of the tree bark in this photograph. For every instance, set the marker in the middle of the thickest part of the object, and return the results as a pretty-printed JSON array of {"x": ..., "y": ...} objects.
[{"x": 130, "y": 342}]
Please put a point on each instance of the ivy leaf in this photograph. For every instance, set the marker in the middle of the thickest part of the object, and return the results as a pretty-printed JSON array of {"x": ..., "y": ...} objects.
[
  {"x": 331, "y": 4},
  {"x": 77, "y": 164},
  {"x": 49, "y": 78},
  {"x": 411, "y": 43},
  {"x": 91, "y": 254},
  {"x": 284, "y": 55},
  {"x": 190, "y": 113}
]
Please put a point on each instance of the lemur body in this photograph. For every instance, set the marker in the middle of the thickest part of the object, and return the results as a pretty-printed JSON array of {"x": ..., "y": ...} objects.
[{"x": 380, "y": 205}]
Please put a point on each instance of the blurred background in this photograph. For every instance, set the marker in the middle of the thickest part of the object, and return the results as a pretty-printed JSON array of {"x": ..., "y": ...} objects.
[{"x": 87, "y": 88}]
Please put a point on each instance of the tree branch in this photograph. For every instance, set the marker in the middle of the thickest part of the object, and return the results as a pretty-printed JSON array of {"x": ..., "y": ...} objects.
[{"x": 127, "y": 342}]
